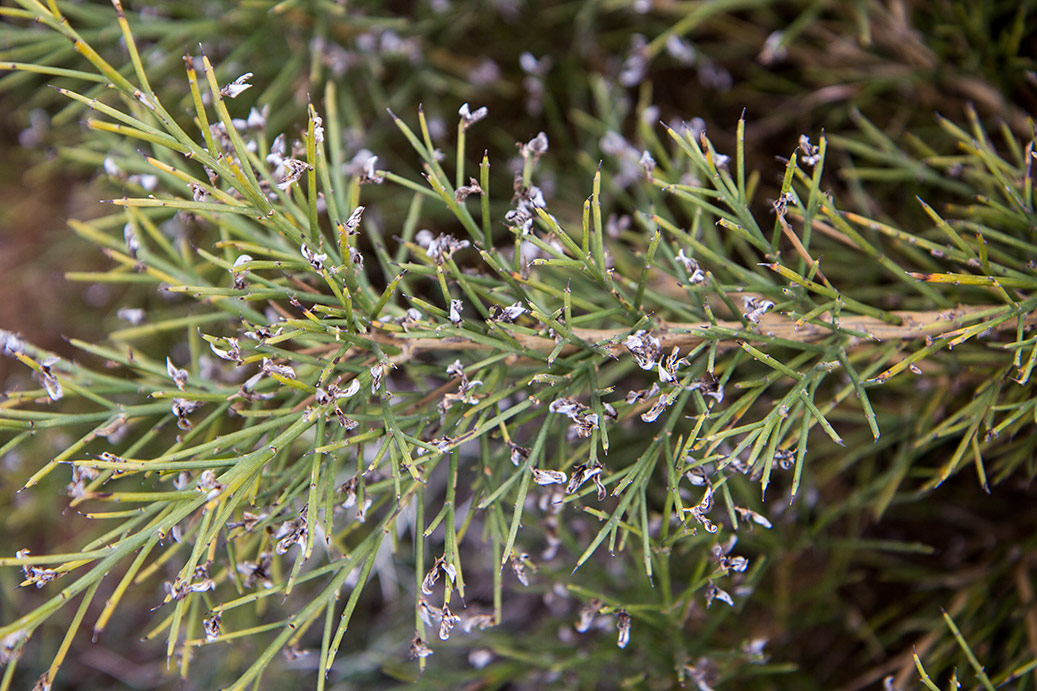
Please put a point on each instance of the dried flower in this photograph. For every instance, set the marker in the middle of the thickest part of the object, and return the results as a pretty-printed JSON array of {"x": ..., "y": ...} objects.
[
  {"x": 293, "y": 170},
  {"x": 211, "y": 624},
  {"x": 429, "y": 582},
  {"x": 646, "y": 348},
  {"x": 50, "y": 380},
  {"x": 547, "y": 477},
  {"x": 587, "y": 471},
  {"x": 480, "y": 657},
  {"x": 236, "y": 87},
  {"x": 418, "y": 648},
  {"x": 715, "y": 593},
  {"x": 270, "y": 368},
  {"x": 695, "y": 273},
  {"x": 774, "y": 50},
  {"x": 535, "y": 147},
  {"x": 811, "y": 155},
  {"x": 455, "y": 311},
  {"x": 443, "y": 247},
  {"x": 680, "y": 50},
  {"x": 623, "y": 626},
  {"x": 469, "y": 118},
  {"x": 257, "y": 571},
  {"x": 315, "y": 260},
  {"x": 753, "y": 516},
  {"x": 508, "y": 314},
  {"x": 447, "y": 623},
  {"x": 518, "y": 565},
  {"x": 181, "y": 409},
  {"x": 179, "y": 376},
  {"x": 587, "y": 614},
  {"x": 466, "y": 191},
  {"x": 293, "y": 532}
]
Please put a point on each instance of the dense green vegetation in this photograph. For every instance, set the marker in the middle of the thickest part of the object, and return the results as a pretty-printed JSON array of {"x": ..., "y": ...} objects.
[{"x": 586, "y": 344}]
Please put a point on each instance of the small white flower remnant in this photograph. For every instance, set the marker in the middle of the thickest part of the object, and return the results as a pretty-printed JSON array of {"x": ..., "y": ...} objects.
[
  {"x": 370, "y": 172},
  {"x": 207, "y": 483},
  {"x": 130, "y": 237},
  {"x": 533, "y": 83},
  {"x": 315, "y": 260},
  {"x": 664, "y": 401},
  {"x": 377, "y": 372},
  {"x": 233, "y": 353},
  {"x": 10, "y": 343},
  {"x": 277, "y": 151},
  {"x": 239, "y": 273},
  {"x": 587, "y": 615},
  {"x": 700, "y": 673},
  {"x": 636, "y": 64},
  {"x": 534, "y": 148},
  {"x": 447, "y": 623},
  {"x": 211, "y": 624},
  {"x": 318, "y": 127},
  {"x": 583, "y": 472},
  {"x": 518, "y": 565},
  {"x": 111, "y": 167},
  {"x": 584, "y": 421},
  {"x": 144, "y": 99},
  {"x": 179, "y": 376},
  {"x": 455, "y": 311},
  {"x": 633, "y": 397},
  {"x": 646, "y": 349},
  {"x": 178, "y": 589},
  {"x": 293, "y": 170},
  {"x": 269, "y": 367},
  {"x": 700, "y": 510},
  {"x": 811, "y": 155},
  {"x": 464, "y": 388},
  {"x": 715, "y": 593},
  {"x": 518, "y": 453},
  {"x": 468, "y": 190},
  {"x": 256, "y": 119},
  {"x": 755, "y": 308},
  {"x": 418, "y": 648},
  {"x": 237, "y": 87},
  {"x": 548, "y": 477},
  {"x": 443, "y": 247},
  {"x": 181, "y": 409},
  {"x": 80, "y": 475},
  {"x": 470, "y": 117},
  {"x": 429, "y": 582},
  {"x": 695, "y": 273},
  {"x": 647, "y": 163},
  {"x": 623, "y": 626},
  {"x": 669, "y": 367},
  {"x": 680, "y": 50},
  {"x": 508, "y": 314},
  {"x": 50, "y": 380},
  {"x": 478, "y": 621},
  {"x": 720, "y": 554},
  {"x": 35, "y": 575},
  {"x": 480, "y": 657},
  {"x": 774, "y": 49},
  {"x": 248, "y": 521},
  {"x": 10, "y": 646},
  {"x": 756, "y": 518},
  {"x": 708, "y": 385},
  {"x": 293, "y": 532},
  {"x": 257, "y": 571},
  {"x": 133, "y": 315},
  {"x": 753, "y": 649}
]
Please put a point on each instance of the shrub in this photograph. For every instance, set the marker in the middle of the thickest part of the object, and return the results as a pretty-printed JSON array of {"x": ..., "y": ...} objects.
[{"x": 637, "y": 385}]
